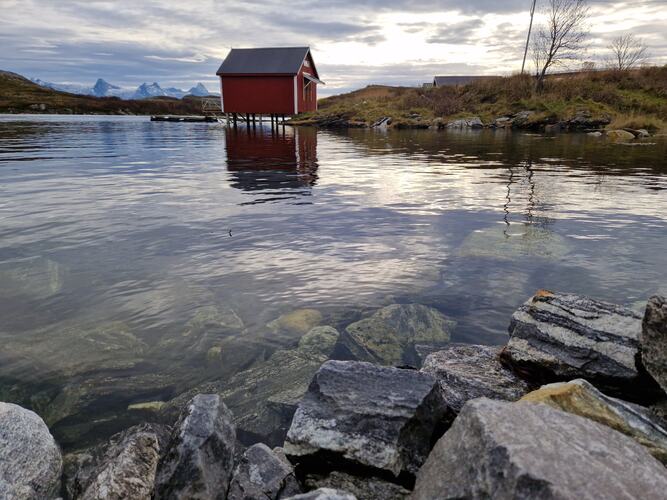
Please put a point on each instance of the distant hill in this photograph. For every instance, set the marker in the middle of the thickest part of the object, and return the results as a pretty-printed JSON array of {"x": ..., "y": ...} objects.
[
  {"x": 20, "y": 95},
  {"x": 102, "y": 88}
]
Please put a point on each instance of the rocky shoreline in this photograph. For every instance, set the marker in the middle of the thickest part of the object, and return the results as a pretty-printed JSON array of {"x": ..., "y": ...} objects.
[
  {"x": 572, "y": 406},
  {"x": 582, "y": 122}
]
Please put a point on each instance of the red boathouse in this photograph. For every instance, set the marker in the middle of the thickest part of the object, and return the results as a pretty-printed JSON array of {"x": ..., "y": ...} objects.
[{"x": 269, "y": 81}]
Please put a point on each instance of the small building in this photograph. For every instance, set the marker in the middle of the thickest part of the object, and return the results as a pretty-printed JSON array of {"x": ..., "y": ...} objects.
[
  {"x": 451, "y": 81},
  {"x": 269, "y": 81}
]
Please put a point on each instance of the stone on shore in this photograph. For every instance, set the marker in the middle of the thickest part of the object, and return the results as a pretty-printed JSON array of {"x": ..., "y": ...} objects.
[
  {"x": 199, "y": 459},
  {"x": 654, "y": 340},
  {"x": 122, "y": 468},
  {"x": 472, "y": 122},
  {"x": 30, "y": 460},
  {"x": 366, "y": 415},
  {"x": 390, "y": 335},
  {"x": 520, "y": 450},
  {"x": 363, "y": 487},
  {"x": 466, "y": 372},
  {"x": 558, "y": 337},
  {"x": 262, "y": 475},
  {"x": 581, "y": 398},
  {"x": 324, "y": 494}
]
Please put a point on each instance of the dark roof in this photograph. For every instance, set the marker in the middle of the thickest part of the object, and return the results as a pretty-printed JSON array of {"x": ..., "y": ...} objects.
[{"x": 274, "y": 60}]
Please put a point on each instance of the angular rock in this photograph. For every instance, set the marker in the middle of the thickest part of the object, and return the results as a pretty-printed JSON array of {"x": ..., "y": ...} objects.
[
  {"x": 520, "y": 450},
  {"x": 581, "y": 398},
  {"x": 263, "y": 399},
  {"x": 360, "y": 486},
  {"x": 30, "y": 460},
  {"x": 364, "y": 415},
  {"x": 389, "y": 336},
  {"x": 199, "y": 459},
  {"x": 122, "y": 468},
  {"x": 325, "y": 494},
  {"x": 466, "y": 372},
  {"x": 472, "y": 122},
  {"x": 556, "y": 337},
  {"x": 262, "y": 475},
  {"x": 654, "y": 340}
]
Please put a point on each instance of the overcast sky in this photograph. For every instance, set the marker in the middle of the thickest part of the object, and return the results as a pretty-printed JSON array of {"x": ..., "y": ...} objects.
[{"x": 354, "y": 42}]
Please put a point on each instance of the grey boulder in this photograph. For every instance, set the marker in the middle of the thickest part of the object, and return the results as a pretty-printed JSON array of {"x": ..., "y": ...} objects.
[
  {"x": 199, "y": 459},
  {"x": 122, "y": 468},
  {"x": 556, "y": 337},
  {"x": 30, "y": 460},
  {"x": 363, "y": 486},
  {"x": 522, "y": 450},
  {"x": 466, "y": 372},
  {"x": 654, "y": 340},
  {"x": 366, "y": 415},
  {"x": 325, "y": 494},
  {"x": 262, "y": 475}
]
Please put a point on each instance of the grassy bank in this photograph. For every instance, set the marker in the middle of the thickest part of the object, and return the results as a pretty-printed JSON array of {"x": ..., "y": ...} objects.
[
  {"x": 634, "y": 99},
  {"x": 20, "y": 95}
]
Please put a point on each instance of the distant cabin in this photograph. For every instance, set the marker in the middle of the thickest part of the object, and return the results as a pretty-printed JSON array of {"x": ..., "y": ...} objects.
[
  {"x": 450, "y": 81},
  {"x": 265, "y": 81}
]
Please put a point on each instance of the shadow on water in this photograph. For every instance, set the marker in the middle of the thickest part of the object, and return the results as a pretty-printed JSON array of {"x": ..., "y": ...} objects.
[{"x": 281, "y": 161}]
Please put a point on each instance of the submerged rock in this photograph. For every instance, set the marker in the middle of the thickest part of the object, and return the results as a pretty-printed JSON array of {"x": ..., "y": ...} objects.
[
  {"x": 325, "y": 494},
  {"x": 555, "y": 337},
  {"x": 30, "y": 460},
  {"x": 581, "y": 398},
  {"x": 122, "y": 468},
  {"x": 200, "y": 455},
  {"x": 34, "y": 277},
  {"x": 366, "y": 415},
  {"x": 263, "y": 399},
  {"x": 654, "y": 339},
  {"x": 619, "y": 135},
  {"x": 390, "y": 335},
  {"x": 204, "y": 331},
  {"x": 262, "y": 475},
  {"x": 520, "y": 450},
  {"x": 510, "y": 243},
  {"x": 363, "y": 487},
  {"x": 297, "y": 322},
  {"x": 466, "y": 372}
]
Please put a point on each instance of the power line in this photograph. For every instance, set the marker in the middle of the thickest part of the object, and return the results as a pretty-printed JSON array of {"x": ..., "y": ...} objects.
[{"x": 530, "y": 29}]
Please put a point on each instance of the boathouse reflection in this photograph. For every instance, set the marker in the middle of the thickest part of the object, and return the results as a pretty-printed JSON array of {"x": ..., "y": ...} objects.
[{"x": 279, "y": 161}]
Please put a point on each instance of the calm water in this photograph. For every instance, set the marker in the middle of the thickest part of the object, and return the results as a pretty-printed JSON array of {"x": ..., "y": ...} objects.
[{"x": 119, "y": 236}]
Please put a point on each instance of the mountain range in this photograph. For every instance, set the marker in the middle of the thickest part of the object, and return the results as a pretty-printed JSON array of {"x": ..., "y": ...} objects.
[{"x": 102, "y": 88}]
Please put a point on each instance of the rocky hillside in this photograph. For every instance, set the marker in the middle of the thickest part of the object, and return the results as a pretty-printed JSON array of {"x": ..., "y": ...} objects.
[
  {"x": 635, "y": 99},
  {"x": 20, "y": 95}
]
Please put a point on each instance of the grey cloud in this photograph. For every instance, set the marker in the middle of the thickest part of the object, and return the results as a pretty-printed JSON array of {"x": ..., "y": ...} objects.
[{"x": 459, "y": 33}]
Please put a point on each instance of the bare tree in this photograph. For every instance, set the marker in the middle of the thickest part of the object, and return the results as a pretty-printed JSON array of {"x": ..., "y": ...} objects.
[
  {"x": 627, "y": 51},
  {"x": 561, "y": 38}
]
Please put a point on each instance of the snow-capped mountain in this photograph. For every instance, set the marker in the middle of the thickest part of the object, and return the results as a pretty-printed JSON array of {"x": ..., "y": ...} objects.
[
  {"x": 199, "y": 90},
  {"x": 102, "y": 88}
]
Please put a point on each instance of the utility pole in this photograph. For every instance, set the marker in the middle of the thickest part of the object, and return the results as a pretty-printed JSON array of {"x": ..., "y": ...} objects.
[{"x": 530, "y": 28}]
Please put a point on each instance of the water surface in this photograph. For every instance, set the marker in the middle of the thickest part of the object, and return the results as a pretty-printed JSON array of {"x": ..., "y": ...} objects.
[{"x": 142, "y": 233}]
